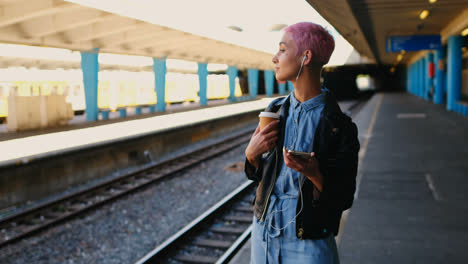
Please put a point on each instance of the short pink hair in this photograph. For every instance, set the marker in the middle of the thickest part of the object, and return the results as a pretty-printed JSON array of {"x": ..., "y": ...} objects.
[{"x": 307, "y": 35}]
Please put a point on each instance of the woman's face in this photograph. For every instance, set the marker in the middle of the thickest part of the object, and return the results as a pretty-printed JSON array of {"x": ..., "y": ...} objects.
[{"x": 286, "y": 62}]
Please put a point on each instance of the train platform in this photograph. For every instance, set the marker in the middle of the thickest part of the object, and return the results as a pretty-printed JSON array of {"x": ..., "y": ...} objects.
[
  {"x": 411, "y": 201},
  {"x": 24, "y": 147},
  {"x": 79, "y": 121}
]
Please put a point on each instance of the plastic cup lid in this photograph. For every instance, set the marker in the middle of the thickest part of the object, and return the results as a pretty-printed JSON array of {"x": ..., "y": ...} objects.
[{"x": 269, "y": 114}]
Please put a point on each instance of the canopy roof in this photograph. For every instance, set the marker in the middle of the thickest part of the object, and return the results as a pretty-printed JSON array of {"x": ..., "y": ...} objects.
[
  {"x": 61, "y": 24},
  {"x": 367, "y": 23}
]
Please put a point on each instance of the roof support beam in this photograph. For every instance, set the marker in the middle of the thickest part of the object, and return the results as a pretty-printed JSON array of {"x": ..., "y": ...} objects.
[
  {"x": 43, "y": 26},
  {"x": 129, "y": 36},
  {"x": 110, "y": 26},
  {"x": 20, "y": 11}
]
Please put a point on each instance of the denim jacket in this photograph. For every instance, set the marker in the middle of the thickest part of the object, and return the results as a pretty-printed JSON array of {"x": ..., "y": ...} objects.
[{"x": 336, "y": 148}]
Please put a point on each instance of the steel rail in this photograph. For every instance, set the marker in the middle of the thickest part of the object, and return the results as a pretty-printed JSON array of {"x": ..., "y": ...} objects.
[{"x": 43, "y": 216}]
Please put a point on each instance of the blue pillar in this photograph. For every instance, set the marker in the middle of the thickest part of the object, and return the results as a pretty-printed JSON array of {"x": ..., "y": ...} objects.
[
  {"x": 90, "y": 68},
  {"x": 454, "y": 60},
  {"x": 159, "y": 69},
  {"x": 429, "y": 79},
  {"x": 105, "y": 114},
  {"x": 253, "y": 82},
  {"x": 203, "y": 81},
  {"x": 123, "y": 112},
  {"x": 290, "y": 86},
  {"x": 439, "y": 77},
  {"x": 138, "y": 110},
  {"x": 282, "y": 88},
  {"x": 232, "y": 73},
  {"x": 269, "y": 77},
  {"x": 418, "y": 77},
  {"x": 421, "y": 77},
  {"x": 424, "y": 77},
  {"x": 413, "y": 79}
]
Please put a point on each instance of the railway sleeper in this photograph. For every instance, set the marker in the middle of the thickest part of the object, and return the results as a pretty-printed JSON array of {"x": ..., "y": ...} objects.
[
  {"x": 196, "y": 259},
  {"x": 212, "y": 243}
]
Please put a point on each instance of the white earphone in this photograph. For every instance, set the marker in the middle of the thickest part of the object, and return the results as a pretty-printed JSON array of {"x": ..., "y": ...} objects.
[{"x": 302, "y": 64}]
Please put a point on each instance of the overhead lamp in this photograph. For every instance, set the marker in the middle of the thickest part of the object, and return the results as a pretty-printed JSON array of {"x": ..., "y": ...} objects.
[
  {"x": 235, "y": 28},
  {"x": 432, "y": 1},
  {"x": 464, "y": 32},
  {"x": 423, "y": 14},
  {"x": 399, "y": 57},
  {"x": 277, "y": 27}
]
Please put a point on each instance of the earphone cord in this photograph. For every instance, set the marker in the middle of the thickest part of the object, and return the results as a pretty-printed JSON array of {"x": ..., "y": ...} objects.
[
  {"x": 300, "y": 69},
  {"x": 294, "y": 218}
]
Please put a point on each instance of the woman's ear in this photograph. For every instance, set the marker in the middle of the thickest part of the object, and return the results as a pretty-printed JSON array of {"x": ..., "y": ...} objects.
[{"x": 307, "y": 56}]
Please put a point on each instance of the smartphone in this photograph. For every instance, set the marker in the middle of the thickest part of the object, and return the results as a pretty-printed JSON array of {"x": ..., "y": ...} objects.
[{"x": 303, "y": 155}]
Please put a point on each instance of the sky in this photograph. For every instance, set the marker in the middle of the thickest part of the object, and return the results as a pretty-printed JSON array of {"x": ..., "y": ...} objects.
[{"x": 211, "y": 18}]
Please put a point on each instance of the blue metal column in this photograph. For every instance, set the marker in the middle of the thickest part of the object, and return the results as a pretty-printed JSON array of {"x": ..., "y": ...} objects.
[
  {"x": 290, "y": 86},
  {"x": 202, "y": 80},
  {"x": 90, "y": 69},
  {"x": 429, "y": 79},
  {"x": 159, "y": 69},
  {"x": 418, "y": 77},
  {"x": 421, "y": 77},
  {"x": 269, "y": 82},
  {"x": 232, "y": 73},
  {"x": 253, "y": 82},
  {"x": 424, "y": 77},
  {"x": 454, "y": 56},
  {"x": 413, "y": 78},
  {"x": 439, "y": 77},
  {"x": 282, "y": 88}
]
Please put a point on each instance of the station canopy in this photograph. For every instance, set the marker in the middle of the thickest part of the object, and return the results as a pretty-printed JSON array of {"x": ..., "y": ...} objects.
[
  {"x": 366, "y": 24},
  {"x": 61, "y": 24}
]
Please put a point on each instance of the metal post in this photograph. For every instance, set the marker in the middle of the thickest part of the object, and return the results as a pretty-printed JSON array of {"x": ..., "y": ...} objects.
[
  {"x": 424, "y": 77},
  {"x": 454, "y": 56},
  {"x": 232, "y": 73},
  {"x": 429, "y": 76},
  {"x": 253, "y": 82},
  {"x": 439, "y": 77},
  {"x": 282, "y": 87},
  {"x": 290, "y": 86},
  {"x": 159, "y": 69},
  {"x": 90, "y": 69},
  {"x": 269, "y": 82},
  {"x": 418, "y": 77},
  {"x": 202, "y": 80}
]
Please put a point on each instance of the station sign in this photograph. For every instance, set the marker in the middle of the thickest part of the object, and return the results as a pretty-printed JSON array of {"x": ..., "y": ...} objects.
[{"x": 413, "y": 43}]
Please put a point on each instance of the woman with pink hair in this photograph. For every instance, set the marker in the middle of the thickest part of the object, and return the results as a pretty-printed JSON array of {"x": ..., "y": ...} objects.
[{"x": 305, "y": 164}]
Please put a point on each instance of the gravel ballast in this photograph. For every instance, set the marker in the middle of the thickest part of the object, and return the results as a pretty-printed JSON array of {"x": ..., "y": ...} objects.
[{"x": 126, "y": 230}]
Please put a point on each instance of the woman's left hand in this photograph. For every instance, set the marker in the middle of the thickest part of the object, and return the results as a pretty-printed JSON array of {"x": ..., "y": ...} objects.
[{"x": 309, "y": 167}]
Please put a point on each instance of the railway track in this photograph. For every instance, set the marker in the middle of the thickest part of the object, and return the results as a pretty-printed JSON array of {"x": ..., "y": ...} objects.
[
  {"x": 214, "y": 237},
  {"x": 34, "y": 220},
  {"x": 41, "y": 217},
  {"x": 217, "y": 235}
]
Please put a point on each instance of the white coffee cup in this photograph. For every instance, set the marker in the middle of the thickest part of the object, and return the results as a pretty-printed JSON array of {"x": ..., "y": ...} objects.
[{"x": 267, "y": 117}]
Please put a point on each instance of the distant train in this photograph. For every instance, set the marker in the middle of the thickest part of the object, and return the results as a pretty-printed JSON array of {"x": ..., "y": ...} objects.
[{"x": 128, "y": 89}]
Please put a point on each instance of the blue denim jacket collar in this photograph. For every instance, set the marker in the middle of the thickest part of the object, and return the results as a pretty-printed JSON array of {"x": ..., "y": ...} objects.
[{"x": 309, "y": 104}]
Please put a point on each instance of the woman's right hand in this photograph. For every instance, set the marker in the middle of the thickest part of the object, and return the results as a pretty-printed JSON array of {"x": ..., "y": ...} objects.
[{"x": 262, "y": 141}]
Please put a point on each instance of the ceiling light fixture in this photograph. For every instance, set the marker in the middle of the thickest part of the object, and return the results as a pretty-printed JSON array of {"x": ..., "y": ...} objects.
[
  {"x": 465, "y": 32},
  {"x": 432, "y": 1},
  {"x": 424, "y": 14},
  {"x": 235, "y": 28},
  {"x": 399, "y": 57}
]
